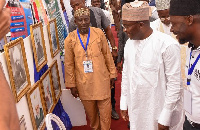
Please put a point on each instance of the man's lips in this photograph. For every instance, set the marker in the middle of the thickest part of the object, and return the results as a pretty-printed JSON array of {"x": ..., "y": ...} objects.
[{"x": 84, "y": 27}]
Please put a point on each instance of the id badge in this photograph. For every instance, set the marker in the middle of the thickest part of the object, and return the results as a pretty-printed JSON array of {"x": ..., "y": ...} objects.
[
  {"x": 87, "y": 66},
  {"x": 188, "y": 101}
]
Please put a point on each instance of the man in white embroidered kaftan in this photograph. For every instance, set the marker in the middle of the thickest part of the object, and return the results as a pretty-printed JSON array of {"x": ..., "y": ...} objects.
[{"x": 151, "y": 79}]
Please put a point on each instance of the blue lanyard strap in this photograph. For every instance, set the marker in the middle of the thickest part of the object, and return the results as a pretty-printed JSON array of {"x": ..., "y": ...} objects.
[
  {"x": 190, "y": 70},
  {"x": 88, "y": 38}
]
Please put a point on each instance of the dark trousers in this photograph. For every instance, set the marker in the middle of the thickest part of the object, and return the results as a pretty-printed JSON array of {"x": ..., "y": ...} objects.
[
  {"x": 188, "y": 126},
  {"x": 113, "y": 97},
  {"x": 113, "y": 101}
]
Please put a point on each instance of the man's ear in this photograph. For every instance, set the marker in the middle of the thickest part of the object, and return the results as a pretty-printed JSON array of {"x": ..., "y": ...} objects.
[{"x": 190, "y": 19}]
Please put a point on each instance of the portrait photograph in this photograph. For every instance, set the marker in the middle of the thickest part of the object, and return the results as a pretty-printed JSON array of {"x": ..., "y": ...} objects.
[
  {"x": 17, "y": 68},
  {"x": 47, "y": 88},
  {"x": 53, "y": 38},
  {"x": 22, "y": 123},
  {"x": 38, "y": 44},
  {"x": 36, "y": 106},
  {"x": 56, "y": 80},
  {"x": 2, "y": 43}
]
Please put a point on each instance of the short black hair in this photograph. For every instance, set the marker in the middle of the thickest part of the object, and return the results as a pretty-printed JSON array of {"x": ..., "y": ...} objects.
[{"x": 184, "y": 7}]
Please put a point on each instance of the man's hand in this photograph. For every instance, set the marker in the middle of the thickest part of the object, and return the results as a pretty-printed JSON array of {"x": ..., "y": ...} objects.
[
  {"x": 124, "y": 114},
  {"x": 114, "y": 55},
  {"x": 4, "y": 19},
  {"x": 112, "y": 82},
  {"x": 162, "y": 127},
  {"x": 119, "y": 68},
  {"x": 74, "y": 92}
]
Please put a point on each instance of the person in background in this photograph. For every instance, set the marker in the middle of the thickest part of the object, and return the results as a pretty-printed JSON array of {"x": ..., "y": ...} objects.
[
  {"x": 114, "y": 114},
  {"x": 8, "y": 113},
  {"x": 151, "y": 92},
  {"x": 185, "y": 20},
  {"x": 154, "y": 13},
  {"x": 123, "y": 37},
  {"x": 116, "y": 16},
  {"x": 97, "y": 3},
  {"x": 97, "y": 19},
  {"x": 90, "y": 69},
  {"x": 163, "y": 24}
]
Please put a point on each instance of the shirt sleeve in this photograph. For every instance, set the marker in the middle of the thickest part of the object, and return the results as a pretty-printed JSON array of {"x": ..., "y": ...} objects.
[
  {"x": 104, "y": 20},
  {"x": 124, "y": 85},
  {"x": 172, "y": 66},
  {"x": 69, "y": 63},
  {"x": 72, "y": 25},
  {"x": 108, "y": 56}
]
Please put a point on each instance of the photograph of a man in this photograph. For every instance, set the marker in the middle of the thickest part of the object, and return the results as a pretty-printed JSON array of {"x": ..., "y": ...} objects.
[
  {"x": 18, "y": 67},
  {"x": 38, "y": 45},
  {"x": 48, "y": 92},
  {"x": 53, "y": 37},
  {"x": 55, "y": 80},
  {"x": 37, "y": 107}
]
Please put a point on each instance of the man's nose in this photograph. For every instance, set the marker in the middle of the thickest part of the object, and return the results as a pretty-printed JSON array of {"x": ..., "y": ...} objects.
[{"x": 83, "y": 22}]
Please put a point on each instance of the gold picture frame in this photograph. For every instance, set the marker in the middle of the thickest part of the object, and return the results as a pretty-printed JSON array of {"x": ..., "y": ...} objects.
[
  {"x": 53, "y": 37},
  {"x": 17, "y": 68},
  {"x": 55, "y": 81},
  {"x": 38, "y": 44},
  {"x": 47, "y": 88},
  {"x": 36, "y": 106}
]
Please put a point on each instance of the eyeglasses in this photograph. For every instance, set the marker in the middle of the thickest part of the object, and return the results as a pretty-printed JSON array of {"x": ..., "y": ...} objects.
[
  {"x": 127, "y": 26},
  {"x": 163, "y": 19}
]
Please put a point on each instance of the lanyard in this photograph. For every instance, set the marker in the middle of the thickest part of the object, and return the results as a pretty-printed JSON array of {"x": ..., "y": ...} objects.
[
  {"x": 85, "y": 48},
  {"x": 190, "y": 69}
]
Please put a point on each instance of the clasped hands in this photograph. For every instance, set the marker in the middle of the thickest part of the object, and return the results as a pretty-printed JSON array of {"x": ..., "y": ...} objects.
[{"x": 74, "y": 90}]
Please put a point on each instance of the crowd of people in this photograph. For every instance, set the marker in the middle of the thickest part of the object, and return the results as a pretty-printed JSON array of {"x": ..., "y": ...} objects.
[
  {"x": 156, "y": 93},
  {"x": 149, "y": 58}
]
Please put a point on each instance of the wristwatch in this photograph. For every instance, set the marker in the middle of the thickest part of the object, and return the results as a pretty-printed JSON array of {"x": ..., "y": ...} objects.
[{"x": 114, "y": 48}]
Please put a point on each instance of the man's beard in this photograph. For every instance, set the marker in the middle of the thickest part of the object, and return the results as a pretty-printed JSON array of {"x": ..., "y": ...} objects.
[{"x": 182, "y": 41}]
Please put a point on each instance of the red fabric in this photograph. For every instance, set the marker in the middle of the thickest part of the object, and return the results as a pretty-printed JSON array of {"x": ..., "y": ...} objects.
[{"x": 115, "y": 124}]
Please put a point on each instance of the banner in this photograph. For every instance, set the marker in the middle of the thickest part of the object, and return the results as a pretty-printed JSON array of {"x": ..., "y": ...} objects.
[{"x": 21, "y": 18}]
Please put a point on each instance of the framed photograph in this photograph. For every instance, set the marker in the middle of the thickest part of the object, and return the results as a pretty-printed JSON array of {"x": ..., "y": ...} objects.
[
  {"x": 17, "y": 68},
  {"x": 38, "y": 44},
  {"x": 22, "y": 123},
  {"x": 53, "y": 38},
  {"x": 55, "y": 80},
  {"x": 3, "y": 41},
  {"x": 36, "y": 106},
  {"x": 46, "y": 84}
]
